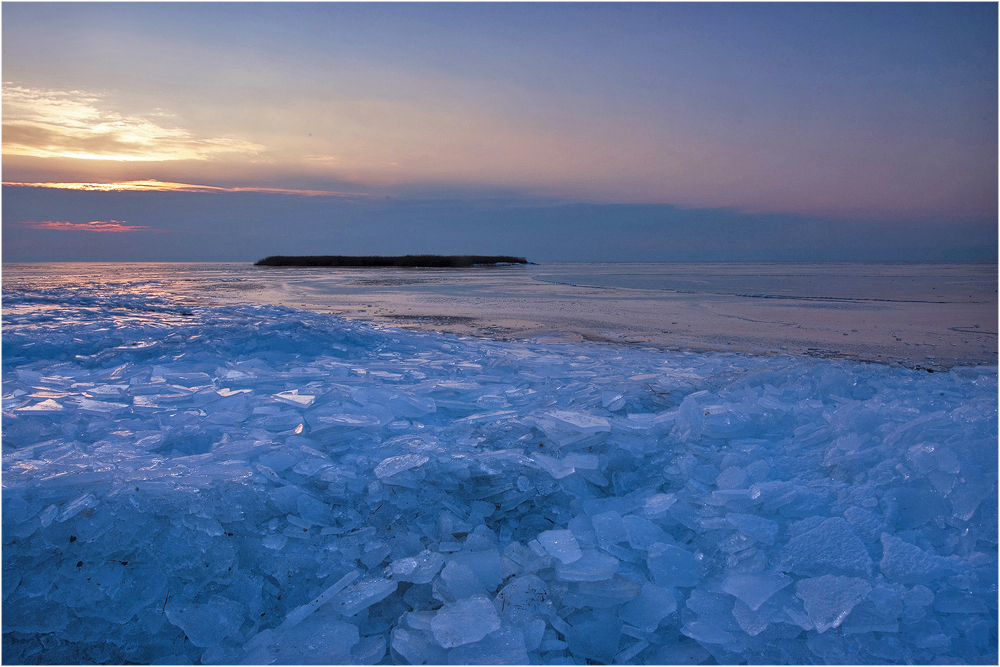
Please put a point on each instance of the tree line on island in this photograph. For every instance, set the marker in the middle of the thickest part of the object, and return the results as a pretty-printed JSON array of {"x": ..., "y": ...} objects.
[{"x": 407, "y": 261}]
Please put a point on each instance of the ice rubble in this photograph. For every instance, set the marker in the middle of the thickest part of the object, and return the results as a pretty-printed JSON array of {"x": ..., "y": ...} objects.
[{"x": 260, "y": 485}]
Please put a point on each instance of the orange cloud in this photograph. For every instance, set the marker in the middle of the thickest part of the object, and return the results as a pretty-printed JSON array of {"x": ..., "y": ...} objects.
[
  {"x": 73, "y": 124},
  {"x": 104, "y": 226},
  {"x": 152, "y": 185}
]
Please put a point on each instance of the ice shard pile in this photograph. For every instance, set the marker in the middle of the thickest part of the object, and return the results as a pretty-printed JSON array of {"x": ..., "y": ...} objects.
[{"x": 265, "y": 485}]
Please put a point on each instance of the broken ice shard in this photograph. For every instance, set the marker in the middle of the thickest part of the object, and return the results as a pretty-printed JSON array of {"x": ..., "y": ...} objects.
[
  {"x": 465, "y": 621},
  {"x": 561, "y": 544},
  {"x": 830, "y": 598},
  {"x": 397, "y": 464},
  {"x": 755, "y": 589},
  {"x": 580, "y": 422}
]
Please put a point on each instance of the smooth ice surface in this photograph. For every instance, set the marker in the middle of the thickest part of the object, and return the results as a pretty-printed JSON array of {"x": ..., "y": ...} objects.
[{"x": 261, "y": 484}]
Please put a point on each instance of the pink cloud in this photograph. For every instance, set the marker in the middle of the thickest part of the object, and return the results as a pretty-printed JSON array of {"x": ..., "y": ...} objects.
[{"x": 106, "y": 226}]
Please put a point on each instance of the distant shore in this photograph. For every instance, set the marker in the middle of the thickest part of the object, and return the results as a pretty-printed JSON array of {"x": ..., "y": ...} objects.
[{"x": 406, "y": 261}]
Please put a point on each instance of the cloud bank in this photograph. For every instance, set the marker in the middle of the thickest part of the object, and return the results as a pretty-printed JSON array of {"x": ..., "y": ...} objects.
[{"x": 79, "y": 125}]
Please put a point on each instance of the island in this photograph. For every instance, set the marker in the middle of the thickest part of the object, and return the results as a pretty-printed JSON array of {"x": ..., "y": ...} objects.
[{"x": 407, "y": 261}]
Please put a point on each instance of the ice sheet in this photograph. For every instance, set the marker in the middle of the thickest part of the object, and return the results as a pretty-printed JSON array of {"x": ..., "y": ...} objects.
[
  {"x": 919, "y": 315},
  {"x": 276, "y": 484}
]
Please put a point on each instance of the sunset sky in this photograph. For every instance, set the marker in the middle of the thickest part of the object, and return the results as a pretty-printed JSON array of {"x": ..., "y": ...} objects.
[{"x": 142, "y": 131}]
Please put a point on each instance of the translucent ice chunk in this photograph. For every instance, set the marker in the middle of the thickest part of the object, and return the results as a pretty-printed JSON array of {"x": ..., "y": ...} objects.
[
  {"x": 866, "y": 525},
  {"x": 209, "y": 623},
  {"x": 321, "y": 639},
  {"x": 749, "y": 621},
  {"x": 48, "y": 515},
  {"x": 755, "y": 589},
  {"x": 419, "y": 569},
  {"x": 408, "y": 406},
  {"x": 602, "y": 594},
  {"x": 524, "y": 596},
  {"x": 612, "y": 400},
  {"x": 485, "y": 564},
  {"x": 731, "y": 478},
  {"x": 397, "y": 464},
  {"x": 555, "y": 467},
  {"x": 465, "y": 621},
  {"x": 646, "y": 611},
  {"x": 706, "y": 633},
  {"x": 85, "y": 502},
  {"x": 296, "y": 616},
  {"x": 682, "y": 652},
  {"x": 502, "y": 647},
  {"x": 672, "y": 566},
  {"x": 908, "y": 563},
  {"x": 46, "y": 406},
  {"x": 275, "y": 541},
  {"x": 580, "y": 422},
  {"x": 35, "y": 618},
  {"x": 754, "y": 527},
  {"x": 657, "y": 506},
  {"x": 642, "y": 533},
  {"x": 461, "y": 580},
  {"x": 831, "y": 547},
  {"x": 99, "y": 407},
  {"x": 582, "y": 461},
  {"x": 593, "y": 565},
  {"x": 419, "y": 648},
  {"x": 368, "y": 651},
  {"x": 313, "y": 510},
  {"x": 293, "y": 397},
  {"x": 363, "y": 595},
  {"x": 918, "y": 596},
  {"x": 349, "y": 420},
  {"x": 829, "y": 599},
  {"x": 626, "y": 655},
  {"x": 561, "y": 544},
  {"x": 595, "y": 640},
  {"x": 951, "y": 601},
  {"x": 609, "y": 528}
]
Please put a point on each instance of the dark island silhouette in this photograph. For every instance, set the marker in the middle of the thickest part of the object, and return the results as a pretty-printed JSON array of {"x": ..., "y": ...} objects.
[{"x": 408, "y": 261}]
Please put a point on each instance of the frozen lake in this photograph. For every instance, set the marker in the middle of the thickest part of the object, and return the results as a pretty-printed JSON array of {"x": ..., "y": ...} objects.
[
  {"x": 920, "y": 315},
  {"x": 201, "y": 465}
]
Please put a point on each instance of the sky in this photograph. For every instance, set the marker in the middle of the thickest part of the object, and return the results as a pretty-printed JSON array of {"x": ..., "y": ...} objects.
[{"x": 559, "y": 132}]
